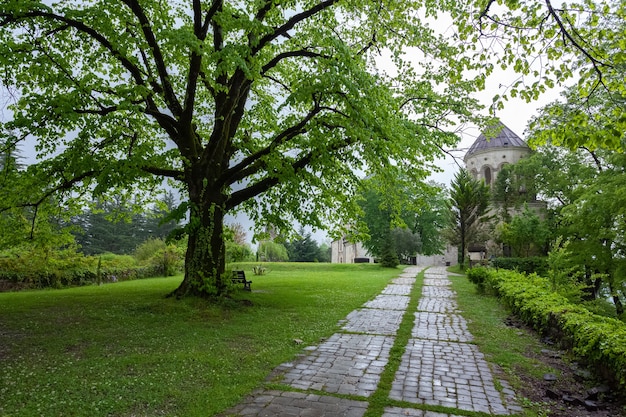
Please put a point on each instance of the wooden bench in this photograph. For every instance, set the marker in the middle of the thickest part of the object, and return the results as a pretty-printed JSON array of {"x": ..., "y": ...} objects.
[{"x": 239, "y": 277}]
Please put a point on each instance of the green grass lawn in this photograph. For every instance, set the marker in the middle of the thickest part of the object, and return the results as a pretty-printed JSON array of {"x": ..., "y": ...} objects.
[{"x": 125, "y": 350}]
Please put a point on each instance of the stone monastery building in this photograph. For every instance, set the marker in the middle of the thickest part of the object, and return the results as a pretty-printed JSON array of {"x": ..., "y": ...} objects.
[
  {"x": 489, "y": 153},
  {"x": 493, "y": 149}
]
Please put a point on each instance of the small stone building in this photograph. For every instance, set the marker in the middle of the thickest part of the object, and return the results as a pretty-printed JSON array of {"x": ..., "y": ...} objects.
[{"x": 344, "y": 251}]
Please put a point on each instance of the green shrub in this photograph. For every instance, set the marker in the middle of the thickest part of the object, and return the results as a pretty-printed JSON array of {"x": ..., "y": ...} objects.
[
  {"x": 67, "y": 267},
  {"x": 149, "y": 248},
  {"x": 166, "y": 259},
  {"x": 259, "y": 270},
  {"x": 599, "y": 340},
  {"x": 536, "y": 264},
  {"x": 478, "y": 276}
]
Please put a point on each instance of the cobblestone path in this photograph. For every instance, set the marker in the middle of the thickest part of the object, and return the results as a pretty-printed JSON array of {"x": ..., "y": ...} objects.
[{"x": 440, "y": 366}]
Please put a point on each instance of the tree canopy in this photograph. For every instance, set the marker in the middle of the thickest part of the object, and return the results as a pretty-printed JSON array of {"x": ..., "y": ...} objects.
[
  {"x": 269, "y": 107},
  {"x": 549, "y": 44},
  {"x": 407, "y": 223}
]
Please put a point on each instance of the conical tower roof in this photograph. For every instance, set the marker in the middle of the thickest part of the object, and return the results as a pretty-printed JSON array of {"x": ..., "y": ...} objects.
[{"x": 499, "y": 136}]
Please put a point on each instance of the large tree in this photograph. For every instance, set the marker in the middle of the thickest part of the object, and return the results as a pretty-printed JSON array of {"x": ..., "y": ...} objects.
[
  {"x": 272, "y": 107},
  {"x": 303, "y": 248},
  {"x": 402, "y": 214}
]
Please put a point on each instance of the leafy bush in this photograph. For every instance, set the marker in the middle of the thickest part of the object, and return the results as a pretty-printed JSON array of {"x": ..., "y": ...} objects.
[
  {"x": 259, "y": 270},
  {"x": 599, "y": 340},
  {"x": 536, "y": 264},
  {"x": 272, "y": 252},
  {"x": 68, "y": 267},
  {"x": 238, "y": 253},
  {"x": 166, "y": 259},
  {"x": 478, "y": 276},
  {"x": 149, "y": 248}
]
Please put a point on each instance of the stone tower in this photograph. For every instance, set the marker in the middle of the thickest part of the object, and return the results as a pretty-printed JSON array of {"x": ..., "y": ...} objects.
[{"x": 492, "y": 150}]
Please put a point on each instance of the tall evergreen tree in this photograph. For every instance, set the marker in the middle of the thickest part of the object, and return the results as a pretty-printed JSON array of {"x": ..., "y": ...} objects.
[
  {"x": 469, "y": 202},
  {"x": 303, "y": 249}
]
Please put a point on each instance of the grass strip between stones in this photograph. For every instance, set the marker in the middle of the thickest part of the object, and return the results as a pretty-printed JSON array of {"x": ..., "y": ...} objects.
[{"x": 379, "y": 400}]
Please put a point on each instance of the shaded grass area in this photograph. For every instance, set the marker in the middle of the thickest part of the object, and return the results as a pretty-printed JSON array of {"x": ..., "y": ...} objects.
[
  {"x": 124, "y": 350},
  {"x": 512, "y": 349}
]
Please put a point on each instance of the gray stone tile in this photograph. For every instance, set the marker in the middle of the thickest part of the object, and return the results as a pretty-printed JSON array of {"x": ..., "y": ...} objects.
[
  {"x": 438, "y": 367},
  {"x": 373, "y": 321},
  {"x": 437, "y": 305},
  {"x": 437, "y": 326},
  {"x": 393, "y": 289},
  {"x": 389, "y": 302},
  {"x": 344, "y": 364}
]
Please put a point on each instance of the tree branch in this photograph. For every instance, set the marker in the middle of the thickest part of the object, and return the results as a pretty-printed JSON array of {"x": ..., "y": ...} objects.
[
  {"x": 146, "y": 27},
  {"x": 91, "y": 32},
  {"x": 253, "y": 163},
  {"x": 282, "y": 30},
  {"x": 595, "y": 62},
  {"x": 215, "y": 6},
  {"x": 268, "y": 182},
  {"x": 304, "y": 52},
  {"x": 164, "y": 172}
]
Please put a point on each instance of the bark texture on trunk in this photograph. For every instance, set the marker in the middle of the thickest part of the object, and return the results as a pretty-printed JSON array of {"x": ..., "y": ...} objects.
[{"x": 206, "y": 251}]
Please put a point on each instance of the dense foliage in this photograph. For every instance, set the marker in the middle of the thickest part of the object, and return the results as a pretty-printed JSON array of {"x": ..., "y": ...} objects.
[
  {"x": 68, "y": 267},
  {"x": 402, "y": 223},
  {"x": 599, "y": 340},
  {"x": 585, "y": 193},
  {"x": 533, "y": 264},
  {"x": 109, "y": 226},
  {"x": 304, "y": 249}
]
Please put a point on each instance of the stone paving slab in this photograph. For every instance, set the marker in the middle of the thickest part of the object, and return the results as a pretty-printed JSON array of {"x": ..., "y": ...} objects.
[
  {"x": 389, "y": 302},
  {"x": 296, "y": 404},
  {"x": 436, "y": 326},
  {"x": 446, "y": 374},
  {"x": 344, "y": 364},
  {"x": 403, "y": 281},
  {"x": 411, "y": 412},
  {"x": 394, "y": 289},
  {"x": 437, "y": 292},
  {"x": 439, "y": 282},
  {"x": 437, "y": 305},
  {"x": 432, "y": 372},
  {"x": 374, "y": 321},
  {"x": 437, "y": 272}
]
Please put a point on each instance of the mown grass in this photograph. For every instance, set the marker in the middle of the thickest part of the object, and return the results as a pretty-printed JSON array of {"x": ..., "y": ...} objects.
[{"x": 125, "y": 350}]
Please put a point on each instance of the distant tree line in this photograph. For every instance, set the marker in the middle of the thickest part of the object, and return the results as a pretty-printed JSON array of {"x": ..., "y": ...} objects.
[{"x": 111, "y": 226}]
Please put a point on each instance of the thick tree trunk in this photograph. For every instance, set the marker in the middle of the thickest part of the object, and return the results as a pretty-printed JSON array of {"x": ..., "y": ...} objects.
[{"x": 206, "y": 255}]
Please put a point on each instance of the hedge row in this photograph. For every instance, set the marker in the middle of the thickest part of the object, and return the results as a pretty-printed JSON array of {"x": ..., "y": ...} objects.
[
  {"x": 78, "y": 271},
  {"x": 601, "y": 341},
  {"x": 536, "y": 264}
]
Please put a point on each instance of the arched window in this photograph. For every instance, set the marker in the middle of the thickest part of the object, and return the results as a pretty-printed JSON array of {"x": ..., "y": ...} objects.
[{"x": 487, "y": 174}]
